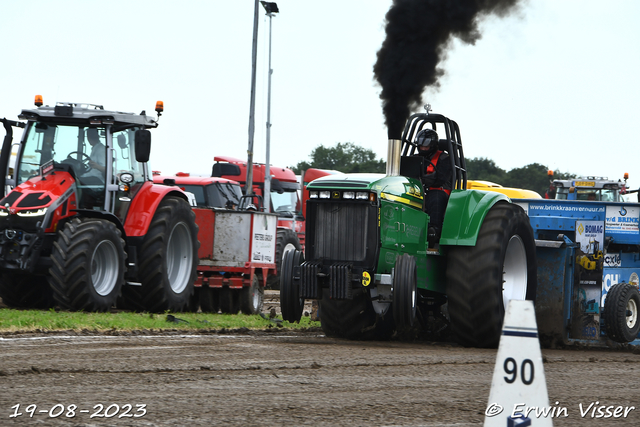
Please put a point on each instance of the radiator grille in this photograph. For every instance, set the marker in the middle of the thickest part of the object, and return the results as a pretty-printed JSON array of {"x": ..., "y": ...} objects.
[{"x": 341, "y": 231}]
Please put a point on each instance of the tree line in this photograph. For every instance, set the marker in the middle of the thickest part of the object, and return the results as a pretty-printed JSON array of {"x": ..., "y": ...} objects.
[{"x": 348, "y": 157}]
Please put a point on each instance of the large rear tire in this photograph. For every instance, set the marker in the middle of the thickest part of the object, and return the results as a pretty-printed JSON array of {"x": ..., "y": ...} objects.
[
  {"x": 405, "y": 282},
  {"x": 353, "y": 319},
  {"x": 621, "y": 313},
  {"x": 25, "y": 291},
  {"x": 481, "y": 279},
  {"x": 286, "y": 241},
  {"x": 88, "y": 265},
  {"x": 168, "y": 259},
  {"x": 291, "y": 304},
  {"x": 252, "y": 297}
]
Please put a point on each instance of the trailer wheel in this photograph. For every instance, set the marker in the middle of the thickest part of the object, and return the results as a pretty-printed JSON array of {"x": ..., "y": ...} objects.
[
  {"x": 88, "y": 265},
  {"x": 481, "y": 279},
  {"x": 621, "y": 312},
  {"x": 404, "y": 291},
  {"x": 229, "y": 303},
  {"x": 286, "y": 241},
  {"x": 169, "y": 258},
  {"x": 209, "y": 299},
  {"x": 353, "y": 319},
  {"x": 26, "y": 291},
  {"x": 252, "y": 297},
  {"x": 291, "y": 304}
]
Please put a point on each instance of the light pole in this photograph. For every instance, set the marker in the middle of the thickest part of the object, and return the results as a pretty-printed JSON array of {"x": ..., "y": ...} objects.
[
  {"x": 252, "y": 107},
  {"x": 271, "y": 9}
]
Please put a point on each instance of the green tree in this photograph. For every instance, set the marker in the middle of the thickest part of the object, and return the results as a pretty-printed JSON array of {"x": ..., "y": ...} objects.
[
  {"x": 532, "y": 177},
  {"x": 345, "y": 157},
  {"x": 483, "y": 169}
]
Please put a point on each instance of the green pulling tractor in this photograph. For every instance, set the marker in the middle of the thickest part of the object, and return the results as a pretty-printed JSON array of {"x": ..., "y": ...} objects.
[{"x": 371, "y": 267}]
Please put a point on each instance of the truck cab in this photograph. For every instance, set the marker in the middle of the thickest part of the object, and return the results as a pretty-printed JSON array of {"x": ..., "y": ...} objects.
[
  {"x": 209, "y": 192},
  {"x": 590, "y": 188}
]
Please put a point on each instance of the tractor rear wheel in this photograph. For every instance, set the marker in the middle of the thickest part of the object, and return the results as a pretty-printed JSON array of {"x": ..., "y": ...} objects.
[
  {"x": 286, "y": 241},
  {"x": 168, "y": 259},
  {"x": 252, "y": 297},
  {"x": 209, "y": 299},
  {"x": 405, "y": 280},
  {"x": 353, "y": 318},
  {"x": 621, "y": 312},
  {"x": 481, "y": 279},
  {"x": 25, "y": 291},
  {"x": 88, "y": 265},
  {"x": 291, "y": 304}
]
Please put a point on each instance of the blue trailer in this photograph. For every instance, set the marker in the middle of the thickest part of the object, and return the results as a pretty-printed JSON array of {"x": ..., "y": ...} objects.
[{"x": 588, "y": 255}]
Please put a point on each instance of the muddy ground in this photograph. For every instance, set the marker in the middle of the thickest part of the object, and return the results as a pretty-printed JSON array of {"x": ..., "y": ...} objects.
[
  {"x": 284, "y": 378},
  {"x": 281, "y": 377}
]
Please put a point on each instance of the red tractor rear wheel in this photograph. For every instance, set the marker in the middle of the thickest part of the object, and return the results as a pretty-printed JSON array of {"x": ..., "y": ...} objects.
[{"x": 169, "y": 258}]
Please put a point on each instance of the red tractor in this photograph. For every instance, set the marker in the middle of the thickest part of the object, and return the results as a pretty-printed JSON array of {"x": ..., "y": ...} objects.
[
  {"x": 81, "y": 223},
  {"x": 285, "y": 201}
]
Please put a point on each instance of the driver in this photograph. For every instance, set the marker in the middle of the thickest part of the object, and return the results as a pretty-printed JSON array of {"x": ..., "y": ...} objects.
[{"x": 97, "y": 158}]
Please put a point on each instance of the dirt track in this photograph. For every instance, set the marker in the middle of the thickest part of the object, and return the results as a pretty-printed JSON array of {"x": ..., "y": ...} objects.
[{"x": 285, "y": 378}]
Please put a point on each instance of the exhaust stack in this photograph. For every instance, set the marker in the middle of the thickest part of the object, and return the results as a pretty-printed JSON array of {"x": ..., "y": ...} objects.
[{"x": 393, "y": 157}]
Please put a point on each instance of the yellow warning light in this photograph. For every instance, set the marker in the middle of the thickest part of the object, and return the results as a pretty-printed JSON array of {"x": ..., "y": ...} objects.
[
  {"x": 626, "y": 175},
  {"x": 549, "y": 172},
  {"x": 366, "y": 278},
  {"x": 159, "y": 107},
  {"x": 38, "y": 101}
]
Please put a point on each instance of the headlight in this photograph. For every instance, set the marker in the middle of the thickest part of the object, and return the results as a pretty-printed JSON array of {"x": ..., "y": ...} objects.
[
  {"x": 313, "y": 194},
  {"x": 126, "y": 177},
  {"x": 38, "y": 212},
  {"x": 348, "y": 195},
  {"x": 325, "y": 194},
  {"x": 362, "y": 195}
]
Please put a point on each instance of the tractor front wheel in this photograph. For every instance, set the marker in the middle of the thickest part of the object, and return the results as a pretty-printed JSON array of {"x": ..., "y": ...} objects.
[
  {"x": 88, "y": 265},
  {"x": 291, "y": 304},
  {"x": 621, "y": 312},
  {"x": 286, "y": 241},
  {"x": 405, "y": 280},
  {"x": 481, "y": 279}
]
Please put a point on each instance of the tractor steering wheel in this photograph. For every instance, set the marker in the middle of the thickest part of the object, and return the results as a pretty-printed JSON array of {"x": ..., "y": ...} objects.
[{"x": 84, "y": 163}]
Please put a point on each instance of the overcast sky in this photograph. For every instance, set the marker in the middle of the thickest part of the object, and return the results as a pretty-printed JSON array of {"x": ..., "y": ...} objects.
[{"x": 556, "y": 83}]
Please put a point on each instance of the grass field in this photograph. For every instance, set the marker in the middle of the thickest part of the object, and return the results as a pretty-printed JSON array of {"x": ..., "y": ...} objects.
[{"x": 13, "y": 321}]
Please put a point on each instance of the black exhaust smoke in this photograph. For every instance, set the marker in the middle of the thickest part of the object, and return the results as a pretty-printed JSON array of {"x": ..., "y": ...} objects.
[{"x": 418, "y": 34}]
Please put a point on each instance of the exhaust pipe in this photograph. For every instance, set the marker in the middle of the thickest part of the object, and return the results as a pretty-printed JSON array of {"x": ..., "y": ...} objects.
[{"x": 393, "y": 157}]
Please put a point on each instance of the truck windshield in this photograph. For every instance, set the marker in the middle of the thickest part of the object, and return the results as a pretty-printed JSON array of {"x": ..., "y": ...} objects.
[
  {"x": 216, "y": 195},
  {"x": 591, "y": 194},
  {"x": 82, "y": 148},
  {"x": 285, "y": 202}
]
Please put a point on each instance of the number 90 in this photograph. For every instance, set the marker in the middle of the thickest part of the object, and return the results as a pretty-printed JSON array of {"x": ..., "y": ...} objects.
[{"x": 526, "y": 371}]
